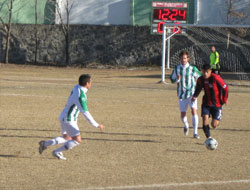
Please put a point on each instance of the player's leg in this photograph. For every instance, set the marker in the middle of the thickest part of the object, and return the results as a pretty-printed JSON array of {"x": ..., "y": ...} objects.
[
  {"x": 75, "y": 139},
  {"x": 195, "y": 118},
  {"x": 55, "y": 141},
  {"x": 215, "y": 123},
  {"x": 216, "y": 116},
  {"x": 218, "y": 68},
  {"x": 206, "y": 127},
  {"x": 205, "y": 111},
  {"x": 183, "y": 105}
]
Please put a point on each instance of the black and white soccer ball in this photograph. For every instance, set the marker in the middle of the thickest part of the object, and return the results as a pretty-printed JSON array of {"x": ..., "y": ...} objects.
[{"x": 211, "y": 144}]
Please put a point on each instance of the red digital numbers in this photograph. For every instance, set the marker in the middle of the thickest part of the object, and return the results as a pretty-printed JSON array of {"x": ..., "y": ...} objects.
[
  {"x": 174, "y": 14},
  {"x": 174, "y": 29},
  {"x": 183, "y": 14},
  {"x": 170, "y": 14},
  {"x": 160, "y": 27},
  {"x": 177, "y": 30}
]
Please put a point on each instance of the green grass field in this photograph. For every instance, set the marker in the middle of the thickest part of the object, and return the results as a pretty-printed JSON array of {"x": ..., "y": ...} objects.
[{"x": 142, "y": 146}]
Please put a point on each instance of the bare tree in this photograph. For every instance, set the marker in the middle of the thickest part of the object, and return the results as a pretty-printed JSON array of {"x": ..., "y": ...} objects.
[
  {"x": 233, "y": 14},
  {"x": 7, "y": 29},
  {"x": 65, "y": 26},
  {"x": 36, "y": 37}
]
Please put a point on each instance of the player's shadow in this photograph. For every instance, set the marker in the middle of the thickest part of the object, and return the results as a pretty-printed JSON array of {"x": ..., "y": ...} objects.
[
  {"x": 147, "y": 76},
  {"x": 187, "y": 151},
  {"x": 87, "y": 132},
  {"x": 236, "y": 130},
  {"x": 8, "y": 156},
  {"x": 21, "y": 129},
  {"x": 87, "y": 138},
  {"x": 122, "y": 134},
  {"x": 163, "y": 127},
  {"x": 219, "y": 129}
]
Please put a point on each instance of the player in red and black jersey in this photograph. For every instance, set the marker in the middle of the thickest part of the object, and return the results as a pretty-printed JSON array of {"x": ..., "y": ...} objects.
[{"x": 216, "y": 94}]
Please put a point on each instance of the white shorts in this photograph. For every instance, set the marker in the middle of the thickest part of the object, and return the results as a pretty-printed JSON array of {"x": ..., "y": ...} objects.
[
  {"x": 70, "y": 128},
  {"x": 183, "y": 104}
]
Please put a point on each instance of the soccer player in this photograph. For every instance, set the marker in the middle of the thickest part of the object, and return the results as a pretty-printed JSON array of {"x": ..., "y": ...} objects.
[
  {"x": 214, "y": 60},
  {"x": 77, "y": 102},
  {"x": 216, "y": 94},
  {"x": 186, "y": 75}
]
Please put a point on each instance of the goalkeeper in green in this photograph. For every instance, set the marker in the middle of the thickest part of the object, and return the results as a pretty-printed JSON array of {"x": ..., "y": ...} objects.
[{"x": 185, "y": 75}]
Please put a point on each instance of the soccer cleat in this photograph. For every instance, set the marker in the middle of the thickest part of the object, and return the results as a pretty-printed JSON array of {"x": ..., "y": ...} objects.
[
  {"x": 59, "y": 155},
  {"x": 196, "y": 136},
  {"x": 185, "y": 131},
  {"x": 42, "y": 146}
]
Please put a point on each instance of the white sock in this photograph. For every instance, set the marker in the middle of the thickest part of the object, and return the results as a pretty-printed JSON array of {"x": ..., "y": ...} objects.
[
  {"x": 67, "y": 146},
  {"x": 55, "y": 141},
  {"x": 185, "y": 121},
  {"x": 195, "y": 120}
]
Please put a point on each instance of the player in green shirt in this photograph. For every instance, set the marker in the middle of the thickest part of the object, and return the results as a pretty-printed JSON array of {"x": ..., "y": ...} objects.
[
  {"x": 185, "y": 75},
  {"x": 76, "y": 103}
]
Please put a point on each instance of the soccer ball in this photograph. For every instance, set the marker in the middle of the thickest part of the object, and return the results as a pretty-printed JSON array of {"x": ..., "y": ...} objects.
[{"x": 211, "y": 144}]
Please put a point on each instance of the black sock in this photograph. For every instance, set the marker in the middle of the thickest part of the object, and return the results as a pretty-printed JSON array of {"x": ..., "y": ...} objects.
[{"x": 206, "y": 130}]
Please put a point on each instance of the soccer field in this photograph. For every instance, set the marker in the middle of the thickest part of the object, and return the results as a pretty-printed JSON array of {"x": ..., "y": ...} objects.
[{"x": 141, "y": 147}]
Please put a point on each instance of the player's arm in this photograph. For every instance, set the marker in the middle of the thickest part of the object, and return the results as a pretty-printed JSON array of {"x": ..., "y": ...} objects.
[
  {"x": 224, "y": 87},
  {"x": 198, "y": 89},
  {"x": 82, "y": 105},
  {"x": 216, "y": 58},
  {"x": 91, "y": 120},
  {"x": 197, "y": 73},
  {"x": 173, "y": 77}
]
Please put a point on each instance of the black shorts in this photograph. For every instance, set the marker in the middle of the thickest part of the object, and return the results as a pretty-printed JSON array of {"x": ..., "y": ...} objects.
[{"x": 215, "y": 112}]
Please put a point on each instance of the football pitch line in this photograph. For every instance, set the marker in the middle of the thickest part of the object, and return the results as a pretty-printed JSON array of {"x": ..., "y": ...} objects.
[{"x": 167, "y": 185}]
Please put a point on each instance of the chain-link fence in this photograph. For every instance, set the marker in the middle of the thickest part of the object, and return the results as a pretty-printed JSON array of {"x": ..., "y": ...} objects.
[{"x": 232, "y": 44}]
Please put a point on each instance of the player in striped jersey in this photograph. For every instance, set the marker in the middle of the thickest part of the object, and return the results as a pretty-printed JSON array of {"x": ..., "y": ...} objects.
[
  {"x": 77, "y": 102},
  {"x": 186, "y": 75},
  {"x": 216, "y": 94}
]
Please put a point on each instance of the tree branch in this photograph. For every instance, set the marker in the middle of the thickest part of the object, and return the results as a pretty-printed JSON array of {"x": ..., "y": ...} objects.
[{"x": 4, "y": 25}]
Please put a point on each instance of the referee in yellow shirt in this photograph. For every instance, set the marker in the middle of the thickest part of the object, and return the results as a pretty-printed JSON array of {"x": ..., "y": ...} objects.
[{"x": 214, "y": 60}]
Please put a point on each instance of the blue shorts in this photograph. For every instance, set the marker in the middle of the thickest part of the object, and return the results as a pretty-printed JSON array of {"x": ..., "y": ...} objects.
[{"x": 215, "y": 112}]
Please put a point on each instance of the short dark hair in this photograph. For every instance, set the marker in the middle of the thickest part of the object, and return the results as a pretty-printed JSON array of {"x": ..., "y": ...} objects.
[
  {"x": 206, "y": 66},
  {"x": 183, "y": 53},
  {"x": 83, "y": 79}
]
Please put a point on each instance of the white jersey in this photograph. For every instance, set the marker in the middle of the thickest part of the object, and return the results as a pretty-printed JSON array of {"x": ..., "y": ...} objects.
[{"x": 77, "y": 102}]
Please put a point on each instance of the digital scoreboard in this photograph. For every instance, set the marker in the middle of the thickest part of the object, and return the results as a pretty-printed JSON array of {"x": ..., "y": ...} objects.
[{"x": 172, "y": 12}]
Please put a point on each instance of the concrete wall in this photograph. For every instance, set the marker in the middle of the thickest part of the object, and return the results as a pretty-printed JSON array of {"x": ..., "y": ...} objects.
[
  {"x": 115, "y": 12},
  {"x": 216, "y": 12},
  {"x": 24, "y": 11},
  {"x": 96, "y": 12}
]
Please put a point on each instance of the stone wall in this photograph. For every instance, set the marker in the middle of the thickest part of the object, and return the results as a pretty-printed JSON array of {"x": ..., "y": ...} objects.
[
  {"x": 124, "y": 46},
  {"x": 112, "y": 45}
]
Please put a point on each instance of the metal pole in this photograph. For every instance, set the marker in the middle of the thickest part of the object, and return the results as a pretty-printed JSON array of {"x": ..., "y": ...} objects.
[
  {"x": 163, "y": 62},
  {"x": 168, "y": 62},
  {"x": 163, "y": 54}
]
